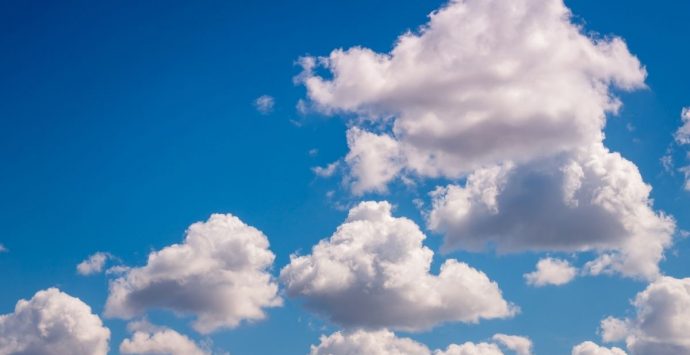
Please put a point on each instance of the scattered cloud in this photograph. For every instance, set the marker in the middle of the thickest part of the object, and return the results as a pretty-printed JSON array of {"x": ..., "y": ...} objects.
[
  {"x": 590, "y": 348},
  {"x": 385, "y": 342},
  {"x": 219, "y": 273},
  {"x": 53, "y": 323},
  {"x": 326, "y": 171},
  {"x": 682, "y": 137},
  {"x": 3, "y": 249},
  {"x": 551, "y": 271},
  {"x": 662, "y": 322},
  {"x": 374, "y": 271},
  {"x": 264, "y": 104},
  {"x": 149, "y": 339},
  {"x": 93, "y": 264}
]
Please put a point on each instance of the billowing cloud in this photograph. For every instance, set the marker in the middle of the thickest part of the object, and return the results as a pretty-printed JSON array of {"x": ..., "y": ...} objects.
[
  {"x": 662, "y": 322},
  {"x": 218, "y": 274},
  {"x": 53, "y": 323},
  {"x": 150, "y": 339},
  {"x": 93, "y": 264},
  {"x": 385, "y": 342},
  {"x": 483, "y": 82},
  {"x": 590, "y": 348},
  {"x": 590, "y": 200},
  {"x": 551, "y": 271},
  {"x": 374, "y": 271},
  {"x": 264, "y": 104}
]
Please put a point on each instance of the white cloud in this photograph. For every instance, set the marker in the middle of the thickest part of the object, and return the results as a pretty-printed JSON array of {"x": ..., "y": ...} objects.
[
  {"x": 373, "y": 159},
  {"x": 3, "y": 249},
  {"x": 590, "y": 348},
  {"x": 264, "y": 104},
  {"x": 662, "y": 322},
  {"x": 149, "y": 339},
  {"x": 682, "y": 135},
  {"x": 385, "y": 342},
  {"x": 519, "y": 344},
  {"x": 326, "y": 171},
  {"x": 551, "y": 271},
  {"x": 483, "y": 82},
  {"x": 218, "y": 274},
  {"x": 375, "y": 272},
  {"x": 53, "y": 323},
  {"x": 589, "y": 200},
  {"x": 93, "y": 264}
]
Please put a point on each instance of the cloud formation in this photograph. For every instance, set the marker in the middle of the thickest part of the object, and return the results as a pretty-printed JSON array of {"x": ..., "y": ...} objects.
[
  {"x": 93, "y": 264},
  {"x": 483, "y": 82},
  {"x": 662, "y": 322},
  {"x": 219, "y": 273},
  {"x": 149, "y": 339},
  {"x": 590, "y": 348},
  {"x": 589, "y": 200},
  {"x": 551, "y": 271},
  {"x": 682, "y": 137},
  {"x": 385, "y": 342},
  {"x": 264, "y": 104},
  {"x": 374, "y": 272},
  {"x": 53, "y": 323}
]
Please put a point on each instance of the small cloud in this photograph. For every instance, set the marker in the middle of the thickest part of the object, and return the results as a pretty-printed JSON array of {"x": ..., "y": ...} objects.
[
  {"x": 3, "y": 249},
  {"x": 667, "y": 163},
  {"x": 630, "y": 127},
  {"x": 551, "y": 271},
  {"x": 326, "y": 171},
  {"x": 93, "y": 264},
  {"x": 313, "y": 152},
  {"x": 264, "y": 104},
  {"x": 683, "y": 233}
]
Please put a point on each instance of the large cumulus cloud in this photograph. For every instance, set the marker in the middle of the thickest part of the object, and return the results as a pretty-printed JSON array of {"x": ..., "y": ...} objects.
[
  {"x": 220, "y": 274},
  {"x": 375, "y": 272},
  {"x": 52, "y": 323}
]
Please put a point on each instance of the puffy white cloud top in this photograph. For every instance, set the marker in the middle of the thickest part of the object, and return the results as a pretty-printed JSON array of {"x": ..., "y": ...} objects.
[
  {"x": 52, "y": 323},
  {"x": 590, "y": 348},
  {"x": 219, "y": 274},
  {"x": 482, "y": 82},
  {"x": 149, "y": 339},
  {"x": 374, "y": 272},
  {"x": 662, "y": 323},
  {"x": 519, "y": 344},
  {"x": 93, "y": 264},
  {"x": 551, "y": 271}
]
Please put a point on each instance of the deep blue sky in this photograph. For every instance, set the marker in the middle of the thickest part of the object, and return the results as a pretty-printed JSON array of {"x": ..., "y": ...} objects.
[{"x": 123, "y": 122}]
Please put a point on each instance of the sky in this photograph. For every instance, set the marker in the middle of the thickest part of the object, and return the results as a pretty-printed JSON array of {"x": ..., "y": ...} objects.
[{"x": 383, "y": 177}]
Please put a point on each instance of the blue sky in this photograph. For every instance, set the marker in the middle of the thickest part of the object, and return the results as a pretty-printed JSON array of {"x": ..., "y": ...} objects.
[{"x": 122, "y": 123}]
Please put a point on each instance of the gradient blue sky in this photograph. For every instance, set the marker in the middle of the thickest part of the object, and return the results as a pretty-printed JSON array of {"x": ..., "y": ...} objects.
[{"x": 121, "y": 123}]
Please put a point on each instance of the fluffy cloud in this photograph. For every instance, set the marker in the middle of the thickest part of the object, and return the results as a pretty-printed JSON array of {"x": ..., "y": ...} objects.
[
  {"x": 481, "y": 83},
  {"x": 94, "y": 264},
  {"x": 519, "y": 344},
  {"x": 662, "y": 322},
  {"x": 384, "y": 342},
  {"x": 219, "y": 274},
  {"x": 590, "y": 348},
  {"x": 551, "y": 271},
  {"x": 149, "y": 339},
  {"x": 374, "y": 272},
  {"x": 52, "y": 323},
  {"x": 264, "y": 104},
  {"x": 588, "y": 200},
  {"x": 682, "y": 137}
]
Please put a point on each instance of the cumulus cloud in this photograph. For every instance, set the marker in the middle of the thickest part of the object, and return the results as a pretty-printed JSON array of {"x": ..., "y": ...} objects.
[
  {"x": 662, "y": 322},
  {"x": 588, "y": 200},
  {"x": 682, "y": 137},
  {"x": 326, "y": 171},
  {"x": 374, "y": 271},
  {"x": 150, "y": 339},
  {"x": 93, "y": 264},
  {"x": 385, "y": 342},
  {"x": 219, "y": 273},
  {"x": 590, "y": 348},
  {"x": 481, "y": 83},
  {"x": 551, "y": 271},
  {"x": 53, "y": 323},
  {"x": 264, "y": 104},
  {"x": 519, "y": 344}
]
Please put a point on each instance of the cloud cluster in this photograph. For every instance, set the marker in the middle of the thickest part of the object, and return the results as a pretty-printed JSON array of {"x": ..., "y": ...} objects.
[
  {"x": 682, "y": 137},
  {"x": 384, "y": 342},
  {"x": 590, "y": 348},
  {"x": 264, "y": 104},
  {"x": 662, "y": 322},
  {"x": 375, "y": 272},
  {"x": 150, "y": 339},
  {"x": 53, "y": 323},
  {"x": 220, "y": 274},
  {"x": 93, "y": 264},
  {"x": 589, "y": 200},
  {"x": 551, "y": 271}
]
